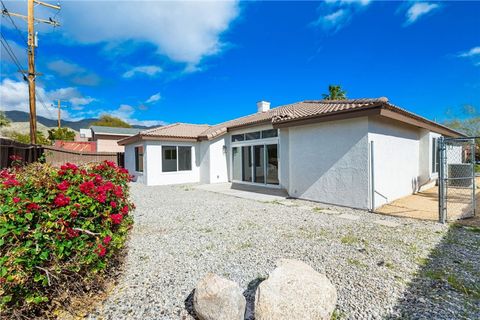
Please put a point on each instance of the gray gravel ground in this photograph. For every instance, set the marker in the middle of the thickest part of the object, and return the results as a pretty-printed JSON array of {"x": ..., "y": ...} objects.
[{"x": 182, "y": 233}]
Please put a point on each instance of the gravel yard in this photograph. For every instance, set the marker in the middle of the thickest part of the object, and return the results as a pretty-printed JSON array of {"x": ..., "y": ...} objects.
[{"x": 392, "y": 268}]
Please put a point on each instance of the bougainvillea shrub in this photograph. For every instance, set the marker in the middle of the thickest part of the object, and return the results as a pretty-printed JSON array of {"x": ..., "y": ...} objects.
[{"x": 58, "y": 224}]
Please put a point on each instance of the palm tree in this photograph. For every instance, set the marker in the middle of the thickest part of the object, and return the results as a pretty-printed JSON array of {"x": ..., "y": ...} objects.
[{"x": 335, "y": 93}]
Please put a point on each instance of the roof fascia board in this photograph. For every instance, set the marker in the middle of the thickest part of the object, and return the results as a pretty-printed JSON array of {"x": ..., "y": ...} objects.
[
  {"x": 419, "y": 123},
  {"x": 332, "y": 117}
]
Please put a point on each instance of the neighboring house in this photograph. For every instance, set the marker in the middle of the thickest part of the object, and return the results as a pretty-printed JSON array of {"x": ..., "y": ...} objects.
[
  {"x": 84, "y": 135},
  {"x": 359, "y": 153},
  {"x": 106, "y": 138}
]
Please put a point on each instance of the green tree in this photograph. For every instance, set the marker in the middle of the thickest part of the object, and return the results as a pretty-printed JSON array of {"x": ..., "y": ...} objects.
[
  {"x": 25, "y": 137},
  {"x": 467, "y": 120},
  {"x": 335, "y": 93},
  {"x": 64, "y": 134},
  {"x": 110, "y": 121},
  {"x": 4, "y": 121}
]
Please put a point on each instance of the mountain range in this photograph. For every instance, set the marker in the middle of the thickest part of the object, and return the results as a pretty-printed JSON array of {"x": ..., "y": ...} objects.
[{"x": 20, "y": 116}]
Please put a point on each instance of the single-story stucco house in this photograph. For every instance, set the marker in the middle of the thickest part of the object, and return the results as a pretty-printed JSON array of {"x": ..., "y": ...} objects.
[{"x": 359, "y": 153}]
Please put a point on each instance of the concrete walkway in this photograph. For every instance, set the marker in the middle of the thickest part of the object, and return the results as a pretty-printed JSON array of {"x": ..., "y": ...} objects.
[{"x": 245, "y": 191}]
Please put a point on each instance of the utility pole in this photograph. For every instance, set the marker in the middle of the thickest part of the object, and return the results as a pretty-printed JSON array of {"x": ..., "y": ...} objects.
[
  {"x": 59, "y": 106},
  {"x": 31, "y": 43}
]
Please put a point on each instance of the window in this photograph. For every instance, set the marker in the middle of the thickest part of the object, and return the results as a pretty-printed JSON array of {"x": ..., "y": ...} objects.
[
  {"x": 435, "y": 162},
  {"x": 238, "y": 137},
  {"x": 269, "y": 133},
  {"x": 139, "y": 159},
  {"x": 184, "y": 158},
  {"x": 171, "y": 162},
  {"x": 252, "y": 135}
]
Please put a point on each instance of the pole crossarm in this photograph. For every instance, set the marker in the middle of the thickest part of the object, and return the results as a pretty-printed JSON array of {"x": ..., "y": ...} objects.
[
  {"x": 53, "y": 6},
  {"x": 31, "y": 43},
  {"x": 49, "y": 21}
]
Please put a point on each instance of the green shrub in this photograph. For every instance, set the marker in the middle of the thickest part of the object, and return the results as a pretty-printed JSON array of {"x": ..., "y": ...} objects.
[{"x": 58, "y": 226}]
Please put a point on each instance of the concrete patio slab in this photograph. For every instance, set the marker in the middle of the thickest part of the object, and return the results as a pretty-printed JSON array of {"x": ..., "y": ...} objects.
[
  {"x": 349, "y": 216},
  {"x": 246, "y": 191},
  {"x": 387, "y": 223}
]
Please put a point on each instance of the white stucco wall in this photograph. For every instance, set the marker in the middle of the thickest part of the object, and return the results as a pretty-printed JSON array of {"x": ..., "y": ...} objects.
[
  {"x": 130, "y": 162},
  {"x": 328, "y": 162},
  {"x": 153, "y": 164},
  {"x": 218, "y": 160},
  {"x": 284, "y": 156},
  {"x": 396, "y": 159}
]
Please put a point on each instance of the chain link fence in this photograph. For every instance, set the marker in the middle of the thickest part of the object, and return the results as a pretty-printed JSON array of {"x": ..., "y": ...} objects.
[{"x": 457, "y": 187}]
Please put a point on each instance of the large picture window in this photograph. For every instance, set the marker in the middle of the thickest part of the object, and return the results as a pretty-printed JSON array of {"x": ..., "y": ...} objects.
[
  {"x": 176, "y": 158},
  {"x": 139, "y": 159}
]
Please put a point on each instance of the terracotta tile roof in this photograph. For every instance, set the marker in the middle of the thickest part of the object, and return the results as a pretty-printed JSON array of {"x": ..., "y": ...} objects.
[
  {"x": 177, "y": 130},
  {"x": 307, "y": 109}
]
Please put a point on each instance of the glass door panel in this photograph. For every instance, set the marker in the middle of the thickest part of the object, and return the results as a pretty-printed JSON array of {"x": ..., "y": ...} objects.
[
  {"x": 236, "y": 164},
  {"x": 259, "y": 161},
  {"x": 272, "y": 164},
  {"x": 247, "y": 164}
]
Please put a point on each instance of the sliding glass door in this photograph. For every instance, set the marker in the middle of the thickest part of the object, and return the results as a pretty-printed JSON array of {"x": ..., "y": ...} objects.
[
  {"x": 272, "y": 163},
  {"x": 255, "y": 163}
]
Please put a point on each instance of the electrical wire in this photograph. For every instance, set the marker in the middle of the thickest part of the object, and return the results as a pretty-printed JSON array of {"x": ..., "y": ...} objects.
[
  {"x": 12, "y": 55},
  {"x": 5, "y": 12}
]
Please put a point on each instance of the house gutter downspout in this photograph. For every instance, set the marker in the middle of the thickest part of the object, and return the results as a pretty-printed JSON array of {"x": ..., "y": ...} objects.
[{"x": 372, "y": 177}]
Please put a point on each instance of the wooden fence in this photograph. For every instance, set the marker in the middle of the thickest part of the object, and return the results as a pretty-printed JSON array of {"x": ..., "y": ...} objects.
[
  {"x": 9, "y": 148},
  {"x": 57, "y": 156},
  {"x": 52, "y": 155}
]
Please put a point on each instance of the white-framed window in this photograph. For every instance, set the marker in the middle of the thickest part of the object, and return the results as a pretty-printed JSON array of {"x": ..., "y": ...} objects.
[
  {"x": 435, "y": 156},
  {"x": 139, "y": 159},
  {"x": 176, "y": 158}
]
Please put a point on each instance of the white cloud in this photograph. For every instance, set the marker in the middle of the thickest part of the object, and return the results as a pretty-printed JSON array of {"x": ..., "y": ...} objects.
[
  {"x": 154, "y": 98},
  {"x": 77, "y": 74},
  {"x": 419, "y": 9},
  {"x": 475, "y": 51},
  {"x": 336, "y": 14},
  {"x": 126, "y": 112},
  {"x": 148, "y": 70},
  {"x": 473, "y": 55},
  {"x": 184, "y": 31},
  {"x": 64, "y": 68},
  {"x": 14, "y": 96},
  {"x": 361, "y": 2}
]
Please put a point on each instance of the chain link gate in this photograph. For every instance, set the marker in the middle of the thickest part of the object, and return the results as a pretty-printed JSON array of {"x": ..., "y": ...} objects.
[{"x": 456, "y": 181}]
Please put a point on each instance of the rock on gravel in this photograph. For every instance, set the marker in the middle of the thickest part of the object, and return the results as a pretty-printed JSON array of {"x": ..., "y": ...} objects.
[
  {"x": 294, "y": 291},
  {"x": 181, "y": 233},
  {"x": 217, "y": 298}
]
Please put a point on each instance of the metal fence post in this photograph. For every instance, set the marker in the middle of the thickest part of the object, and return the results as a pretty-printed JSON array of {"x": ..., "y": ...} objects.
[
  {"x": 472, "y": 156},
  {"x": 441, "y": 181}
]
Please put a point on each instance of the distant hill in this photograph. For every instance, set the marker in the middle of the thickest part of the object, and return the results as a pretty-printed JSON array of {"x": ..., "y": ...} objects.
[{"x": 20, "y": 116}]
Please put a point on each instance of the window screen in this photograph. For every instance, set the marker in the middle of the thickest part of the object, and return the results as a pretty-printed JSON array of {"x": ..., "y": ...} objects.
[
  {"x": 139, "y": 159},
  {"x": 169, "y": 158},
  {"x": 269, "y": 133},
  {"x": 238, "y": 137},
  {"x": 184, "y": 158},
  {"x": 252, "y": 135}
]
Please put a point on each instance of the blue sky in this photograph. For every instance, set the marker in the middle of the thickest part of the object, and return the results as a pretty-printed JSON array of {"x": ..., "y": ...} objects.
[{"x": 156, "y": 62}]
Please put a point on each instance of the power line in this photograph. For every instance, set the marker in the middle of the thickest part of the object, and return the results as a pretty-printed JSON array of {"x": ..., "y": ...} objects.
[
  {"x": 5, "y": 12},
  {"x": 12, "y": 55}
]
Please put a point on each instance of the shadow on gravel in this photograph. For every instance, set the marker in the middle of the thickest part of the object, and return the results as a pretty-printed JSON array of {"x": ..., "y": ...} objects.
[
  {"x": 189, "y": 305},
  {"x": 448, "y": 284},
  {"x": 249, "y": 295}
]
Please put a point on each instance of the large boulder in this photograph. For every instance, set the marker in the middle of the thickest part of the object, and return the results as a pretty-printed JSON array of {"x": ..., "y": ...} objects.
[
  {"x": 216, "y": 298},
  {"x": 295, "y": 291}
]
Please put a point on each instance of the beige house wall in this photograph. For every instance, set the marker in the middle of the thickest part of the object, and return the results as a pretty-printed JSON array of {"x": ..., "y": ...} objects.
[{"x": 109, "y": 143}]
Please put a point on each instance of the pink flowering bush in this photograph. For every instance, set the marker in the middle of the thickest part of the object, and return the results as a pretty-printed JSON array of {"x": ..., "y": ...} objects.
[{"x": 58, "y": 224}]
